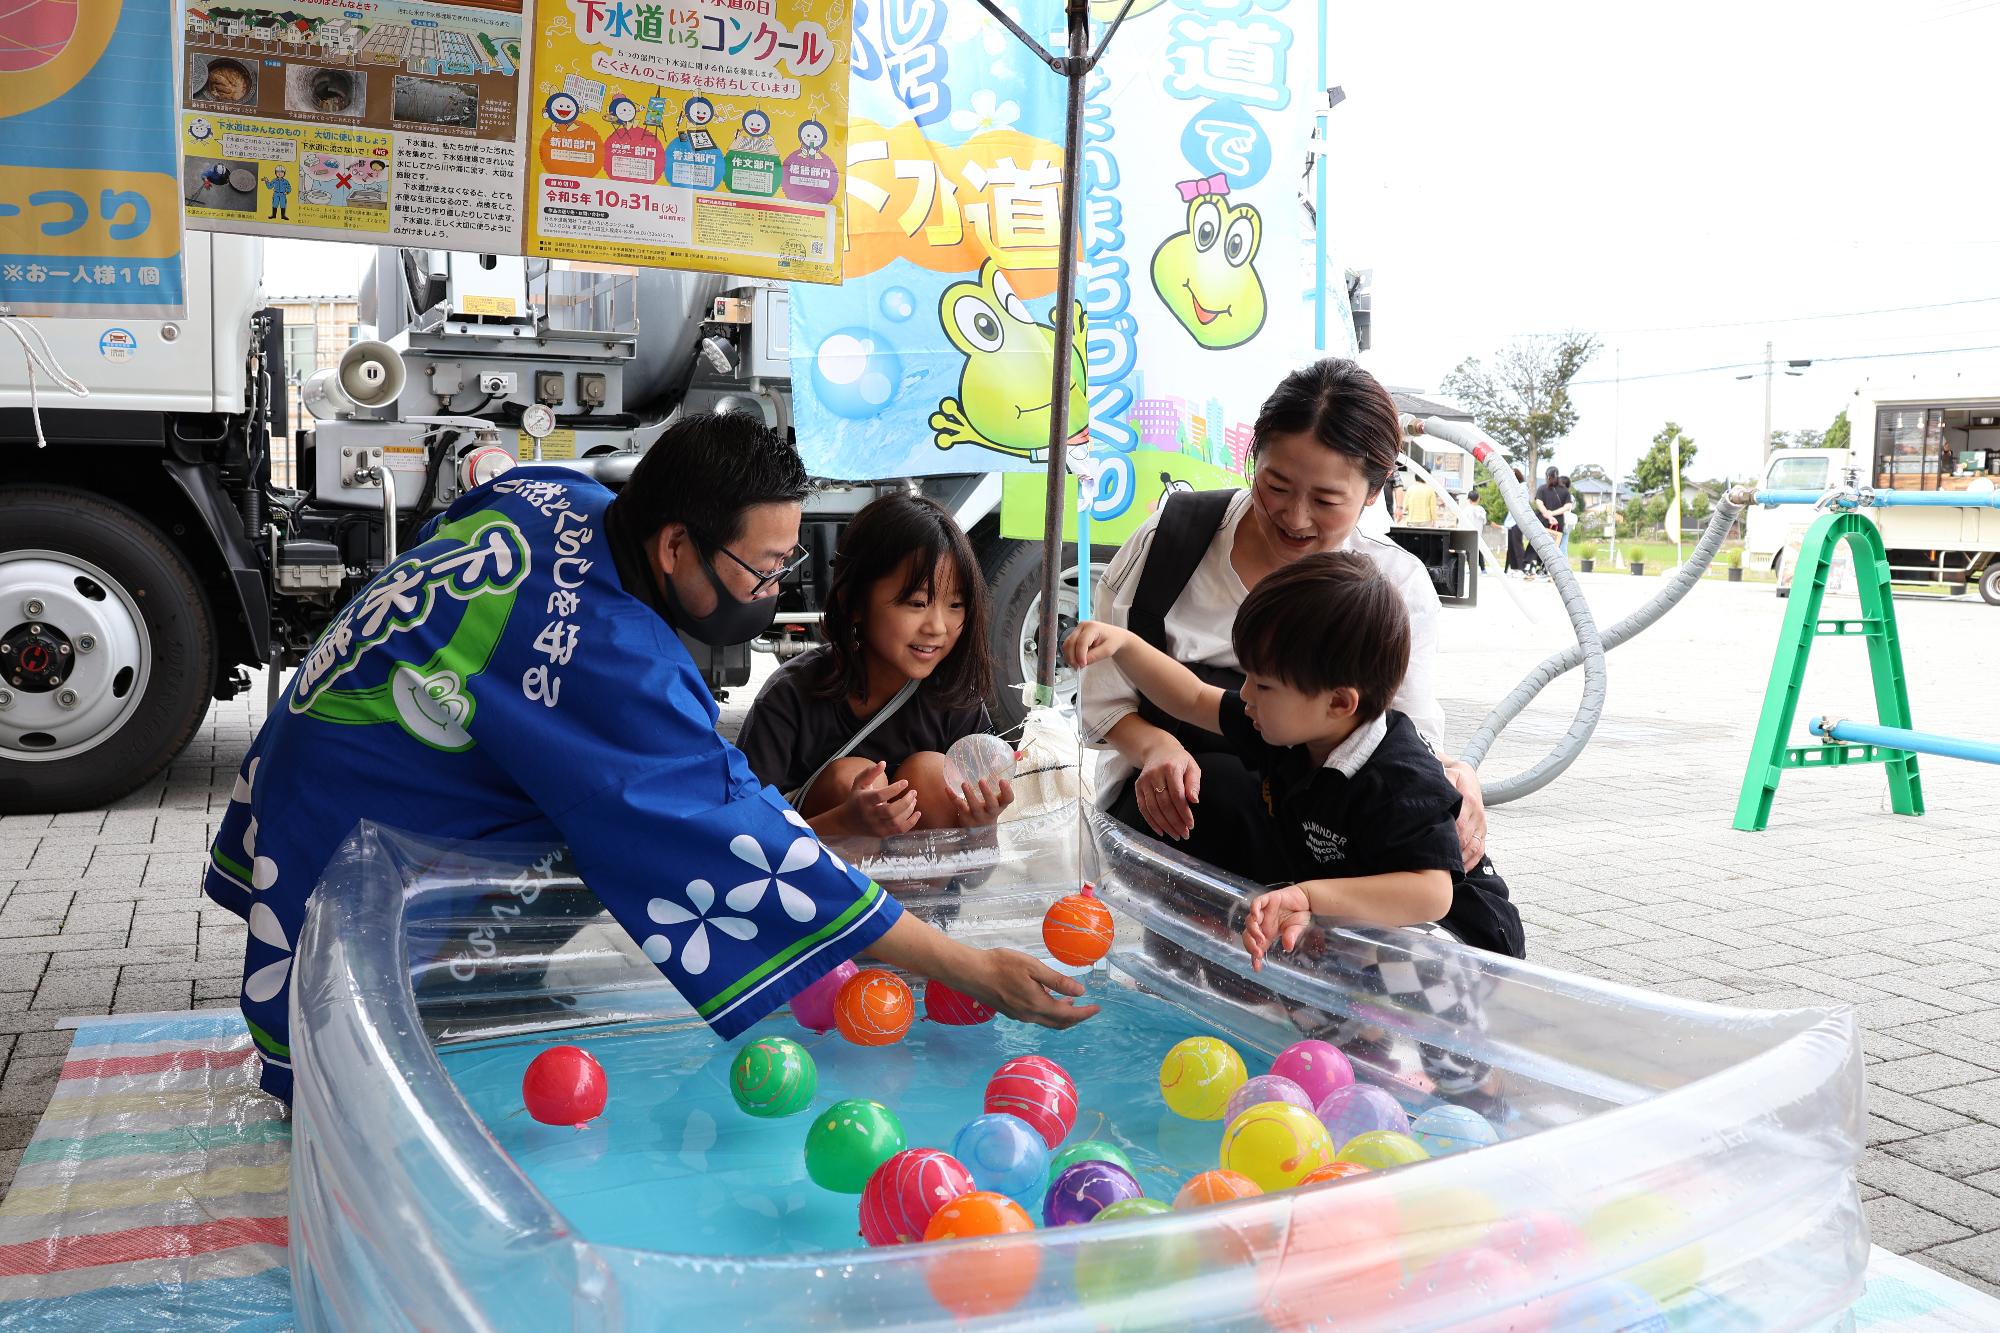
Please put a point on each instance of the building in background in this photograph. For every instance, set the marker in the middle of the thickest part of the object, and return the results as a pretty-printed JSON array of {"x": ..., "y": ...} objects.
[{"x": 317, "y": 330}]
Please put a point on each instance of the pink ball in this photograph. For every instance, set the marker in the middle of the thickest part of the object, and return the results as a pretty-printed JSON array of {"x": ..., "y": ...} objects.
[
  {"x": 1316, "y": 1066},
  {"x": 813, "y": 1006},
  {"x": 954, "y": 1008},
  {"x": 1265, "y": 1088},
  {"x": 1038, "y": 1091},
  {"x": 906, "y": 1191},
  {"x": 1359, "y": 1108}
]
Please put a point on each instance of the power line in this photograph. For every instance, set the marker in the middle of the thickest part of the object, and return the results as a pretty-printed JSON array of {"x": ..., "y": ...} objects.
[
  {"x": 1817, "y": 360},
  {"x": 1804, "y": 319}
]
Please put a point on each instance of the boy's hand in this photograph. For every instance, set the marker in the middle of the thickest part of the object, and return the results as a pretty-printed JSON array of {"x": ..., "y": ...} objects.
[
  {"x": 981, "y": 802},
  {"x": 1279, "y": 917},
  {"x": 880, "y": 811},
  {"x": 1093, "y": 641}
]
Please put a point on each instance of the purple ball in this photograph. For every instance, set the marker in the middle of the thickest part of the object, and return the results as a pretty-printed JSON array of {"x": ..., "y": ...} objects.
[
  {"x": 1357, "y": 1109},
  {"x": 1085, "y": 1190},
  {"x": 1265, "y": 1088},
  {"x": 1316, "y": 1066}
]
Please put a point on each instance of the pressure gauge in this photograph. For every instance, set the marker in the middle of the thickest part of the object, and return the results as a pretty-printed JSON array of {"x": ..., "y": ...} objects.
[{"x": 539, "y": 420}]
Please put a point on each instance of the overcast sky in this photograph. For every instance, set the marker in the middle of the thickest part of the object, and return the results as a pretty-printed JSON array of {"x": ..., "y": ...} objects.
[{"x": 1636, "y": 169}]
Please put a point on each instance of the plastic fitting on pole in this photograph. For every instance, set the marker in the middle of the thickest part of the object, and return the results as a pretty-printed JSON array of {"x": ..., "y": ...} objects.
[{"x": 1590, "y": 646}]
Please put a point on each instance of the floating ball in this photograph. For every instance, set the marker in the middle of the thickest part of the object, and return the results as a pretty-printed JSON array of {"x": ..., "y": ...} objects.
[
  {"x": 1554, "y": 1251},
  {"x": 1275, "y": 1144},
  {"x": 976, "y": 1280},
  {"x": 1354, "y": 1110},
  {"x": 1446, "y": 1129},
  {"x": 1380, "y": 1149},
  {"x": 565, "y": 1085},
  {"x": 1265, "y": 1088},
  {"x": 1438, "y": 1219},
  {"x": 1085, "y": 1190},
  {"x": 1038, "y": 1091},
  {"x": 1335, "y": 1170},
  {"x": 1090, "y": 1150},
  {"x": 813, "y": 1006},
  {"x": 848, "y": 1141},
  {"x": 1077, "y": 930},
  {"x": 773, "y": 1076},
  {"x": 1316, "y": 1066},
  {"x": 905, "y": 1193},
  {"x": 1645, "y": 1224},
  {"x": 1199, "y": 1076},
  {"x": 1138, "y": 1281},
  {"x": 978, "y": 757},
  {"x": 1125, "y": 1209},
  {"x": 1610, "y": 1307},
  {"x": 1215, "y": 1187},
  {"x": 954, "y": 1008},
  {"x": 1003, "y": 1152},
  {"x": 874, "y": 1008},
  {"x": 1499, "y": 1279}
]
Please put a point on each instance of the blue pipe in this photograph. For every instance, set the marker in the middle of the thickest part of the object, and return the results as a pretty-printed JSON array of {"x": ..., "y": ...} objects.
[
  {"x": 1893, "y": 499},
  {"x": 1898, "y": 738}
]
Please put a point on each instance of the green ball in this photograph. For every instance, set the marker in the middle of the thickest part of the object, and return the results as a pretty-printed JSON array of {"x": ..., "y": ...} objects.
[
  {"x": 1087, "y": 1151},
  {"x": 1128, "y": 1208},
  {"x": 773, "y": 1076},
  {"x": 848, "y": 1141}
]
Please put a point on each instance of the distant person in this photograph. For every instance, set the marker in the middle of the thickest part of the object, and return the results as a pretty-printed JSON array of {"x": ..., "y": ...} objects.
[
  {"x": 1517, "y": 541},
  {"x": 1420, "y": 504},
  {"x": 1552, "y": 506},
  {"x": 1570, "y": 507}
]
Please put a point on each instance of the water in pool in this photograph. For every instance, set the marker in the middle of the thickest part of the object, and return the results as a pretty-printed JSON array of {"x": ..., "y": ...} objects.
[{"x": 674, "y": 1165}]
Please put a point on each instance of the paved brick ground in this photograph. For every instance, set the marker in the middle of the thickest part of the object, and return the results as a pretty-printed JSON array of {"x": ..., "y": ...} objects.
[{"x": 1625, "y": 868}]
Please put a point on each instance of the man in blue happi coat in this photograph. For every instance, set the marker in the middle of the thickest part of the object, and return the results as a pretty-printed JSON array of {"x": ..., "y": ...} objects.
[{"x": 516, "y": 676}]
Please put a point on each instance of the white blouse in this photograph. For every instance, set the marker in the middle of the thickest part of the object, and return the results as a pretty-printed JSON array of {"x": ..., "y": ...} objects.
[{"x": 1199, "y": 622}]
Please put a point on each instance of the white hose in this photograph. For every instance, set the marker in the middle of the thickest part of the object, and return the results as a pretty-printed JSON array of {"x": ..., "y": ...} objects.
[{"x": 37, "y": 353}]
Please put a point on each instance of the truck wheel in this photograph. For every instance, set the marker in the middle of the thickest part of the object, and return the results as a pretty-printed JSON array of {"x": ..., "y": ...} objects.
[
  {"x": 107, "y": 651},
  {"x": 1784, "y": 588},
  {"x": 1989, "y": 582},
  {"x": 1014, "y": 573}
]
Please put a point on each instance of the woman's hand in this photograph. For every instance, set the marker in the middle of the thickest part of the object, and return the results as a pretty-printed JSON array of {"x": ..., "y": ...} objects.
[
  {"x": 879, "y": 811},
  {"x": 1093, "y": 641},
  {"x": 1021, "y": 988},
  {"x": 1168, "y": 785},
  {"x": 982, "y": 802},
  {"x": 1278, "y": 917},
  {"x": 1471, "y": 811}
]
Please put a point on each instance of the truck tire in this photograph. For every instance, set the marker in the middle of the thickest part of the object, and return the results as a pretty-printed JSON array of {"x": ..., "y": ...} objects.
[
  {"x": 1014, "y": 574},
  {"x": 107, "y": 651},
  {"x": 1989, "y": 581}
]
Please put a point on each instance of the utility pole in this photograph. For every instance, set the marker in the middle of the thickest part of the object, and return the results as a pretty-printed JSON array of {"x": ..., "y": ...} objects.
[
  {"x": 1769, "y": 365},
  {"x": 1617, "y": 416}
]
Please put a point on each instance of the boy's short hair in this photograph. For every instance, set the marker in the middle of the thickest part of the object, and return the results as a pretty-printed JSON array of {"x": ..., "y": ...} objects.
[{"x": 1327, "y": 622}]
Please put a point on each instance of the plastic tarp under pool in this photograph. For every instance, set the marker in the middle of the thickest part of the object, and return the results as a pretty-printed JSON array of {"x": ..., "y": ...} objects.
[{"x": 1704, "y": 1155}]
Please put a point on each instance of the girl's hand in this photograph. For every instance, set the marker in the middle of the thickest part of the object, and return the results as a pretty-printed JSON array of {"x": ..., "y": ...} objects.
[
  {"x": 1278, "y": 917},
  {"x": 982, "y": 803},
  {"x": 1168, "y": 787},
  {"x": 877, "y": 810},
  {"x": 1093, "y": 641}
]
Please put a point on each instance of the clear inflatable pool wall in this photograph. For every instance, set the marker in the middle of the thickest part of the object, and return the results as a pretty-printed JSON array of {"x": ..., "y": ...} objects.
[{"x": 1707, "y": 1152}]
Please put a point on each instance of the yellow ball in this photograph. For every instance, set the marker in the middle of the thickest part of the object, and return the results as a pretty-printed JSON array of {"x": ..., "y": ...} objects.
[
  {"x": 1198, "y": 1076},
  {"x": 1380, "y": 1149},
  {"x": 1276, "y": 1144},
  {"x": 1638, "y": 1225}
]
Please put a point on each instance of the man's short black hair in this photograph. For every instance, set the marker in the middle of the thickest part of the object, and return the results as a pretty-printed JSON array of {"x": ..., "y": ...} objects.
[
  {"x": 1327, "y": 622},
  {"x": 705, "y": 471}
]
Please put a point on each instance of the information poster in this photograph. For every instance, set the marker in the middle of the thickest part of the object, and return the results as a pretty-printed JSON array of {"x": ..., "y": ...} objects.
[
  {"x": 706, "y": 135},
  {"x": 90, "y": 221},
  {"x": 391, "y": 122}
]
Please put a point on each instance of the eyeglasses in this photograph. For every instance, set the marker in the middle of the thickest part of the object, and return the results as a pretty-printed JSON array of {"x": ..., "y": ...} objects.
[{"x": 795, "y": 557}]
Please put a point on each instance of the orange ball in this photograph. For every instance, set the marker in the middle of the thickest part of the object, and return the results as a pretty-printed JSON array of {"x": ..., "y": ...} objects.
[
  {"x": 1077, "y": 930},
  {"x": 990, "y": 1277},
  {"x": 1215, "y": 1187},
  {"x": 1332, "y": 1171},
  {"x": 874, "y": 1008}
]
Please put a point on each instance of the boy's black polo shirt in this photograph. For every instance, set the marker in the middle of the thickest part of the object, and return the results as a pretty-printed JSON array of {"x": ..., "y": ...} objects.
[{"x": 1375, "y": 812}]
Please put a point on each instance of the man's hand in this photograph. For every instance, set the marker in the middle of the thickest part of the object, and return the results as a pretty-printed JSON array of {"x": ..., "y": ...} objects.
[
  {"x": 1471, "y": 812},
  {"x": 1020, "y": 987},
  {"x": 1278, "y": 917},
  {"x": 982, "y": 802},
  {"x": 879, "y": 811},
  {"x": 1093, "y": 641}
]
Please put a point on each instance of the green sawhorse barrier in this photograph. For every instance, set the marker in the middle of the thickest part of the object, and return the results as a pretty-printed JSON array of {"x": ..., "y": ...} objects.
[{"x": 1771, "y": 754}]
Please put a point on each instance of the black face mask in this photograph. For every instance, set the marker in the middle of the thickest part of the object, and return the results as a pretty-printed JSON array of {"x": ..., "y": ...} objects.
[{"x": 733, "y": 620}]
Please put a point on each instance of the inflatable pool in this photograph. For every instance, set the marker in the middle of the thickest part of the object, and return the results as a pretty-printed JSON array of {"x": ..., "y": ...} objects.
[{"x": 1662, "y": 1163}]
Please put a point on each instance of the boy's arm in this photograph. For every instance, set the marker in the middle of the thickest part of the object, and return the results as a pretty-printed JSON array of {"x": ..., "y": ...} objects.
[
  {"x": 1175, "y": 689},
  {"x": 1399, "y": 898}
]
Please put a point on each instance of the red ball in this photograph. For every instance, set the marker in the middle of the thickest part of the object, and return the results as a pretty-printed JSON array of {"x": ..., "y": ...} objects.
[
  {"x": 905, "y": 1193},
  {"x": 874, "y": 1008},
  {"x": 1038, "y": 1091},
  {"x": 565, "y": 1085},
  {"x": 955, "y": 1008},
  {"x": 1077, "y": 929}
]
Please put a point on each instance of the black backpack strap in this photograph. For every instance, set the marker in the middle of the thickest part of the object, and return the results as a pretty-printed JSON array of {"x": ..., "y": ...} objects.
[{"x": 1189, "y": 522}]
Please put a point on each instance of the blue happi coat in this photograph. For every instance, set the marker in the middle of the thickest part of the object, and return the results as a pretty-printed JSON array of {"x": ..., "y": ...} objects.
[{"x": 500, "y": 681}]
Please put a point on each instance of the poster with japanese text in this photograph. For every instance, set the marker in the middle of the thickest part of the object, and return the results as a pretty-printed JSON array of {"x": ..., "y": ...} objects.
[
  {"x": 90, "y": 223},
  {"x": 706, "y": 135},
  {"x": 390, "y": 122}
]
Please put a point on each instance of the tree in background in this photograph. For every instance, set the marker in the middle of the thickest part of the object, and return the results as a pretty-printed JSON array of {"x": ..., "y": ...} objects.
[
  {"x": 1589, "y": 472},
  {"x": 1655, "y": 470},
  {"x": 1839, "y": 433},
  {"x": 1799, "y": 439},
  {"x": 1523, "y": 401}
]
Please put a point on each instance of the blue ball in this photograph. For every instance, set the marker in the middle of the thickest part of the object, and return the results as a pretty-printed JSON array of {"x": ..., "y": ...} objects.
[
  {"x": 1003, "y": 1153},
  {"x": 1446, "y": 1129},
  {"x": 1611, "y": 1307},
  {"x": 857, "y": 373}
]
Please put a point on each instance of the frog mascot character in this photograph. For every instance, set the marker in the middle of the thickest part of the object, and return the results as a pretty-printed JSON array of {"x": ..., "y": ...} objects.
[
  {"x": 1205, "y": 273},
  {"x": 1004, "y": 390}
]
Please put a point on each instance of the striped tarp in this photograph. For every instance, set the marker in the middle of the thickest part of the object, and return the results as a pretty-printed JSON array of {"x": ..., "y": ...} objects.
[{"x": 154, "y": 1191}]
